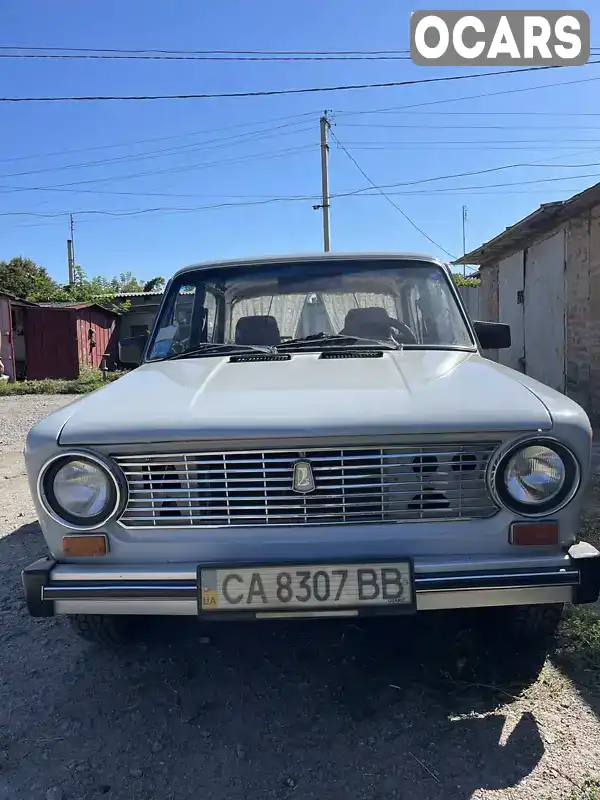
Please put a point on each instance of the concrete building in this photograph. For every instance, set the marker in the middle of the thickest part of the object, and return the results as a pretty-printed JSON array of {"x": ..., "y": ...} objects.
[{"x": 542, "y": 277}]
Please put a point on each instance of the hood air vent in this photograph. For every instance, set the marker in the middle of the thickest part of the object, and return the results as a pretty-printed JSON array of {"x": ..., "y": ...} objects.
[
  {"x": 352, "y": 354},
  {"x": 245, "y": 359}
]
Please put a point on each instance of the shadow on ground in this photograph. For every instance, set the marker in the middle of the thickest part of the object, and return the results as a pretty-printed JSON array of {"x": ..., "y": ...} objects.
[{"x": 388, "y": 709}]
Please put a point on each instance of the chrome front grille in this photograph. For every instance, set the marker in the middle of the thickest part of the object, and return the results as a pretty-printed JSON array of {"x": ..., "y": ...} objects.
[{"x": 352, "y": 485}]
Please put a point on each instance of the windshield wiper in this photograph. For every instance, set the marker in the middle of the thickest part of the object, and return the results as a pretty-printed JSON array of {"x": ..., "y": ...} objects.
[
  {"x": 220, "y": 348},
  {"x": 339, "y": 339}
]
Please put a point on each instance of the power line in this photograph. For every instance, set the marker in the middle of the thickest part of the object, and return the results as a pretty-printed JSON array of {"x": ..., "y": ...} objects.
[
  {"x": 350, "y": 193},
  {"x": 527, "y": 183},
  {"x": 476, "y": 191},
  {"x": 160, "y": 51},
  {"x": 460, "y": 189},
  {"x": 467, "y": 126},
  {"x": 153, "y": 50},
  {"x": 400, "y": 143},
  {"x": 214, "y": 55},
  {"x": 298, "y": 117},
  {"x": 127, "y": 213},
  {"x": 563, "y": 113},
  {"x": 267, "y": 156},
  {"x": 471, "y": 173},
  {"x": 457, "y": 147},
  {"x": 161, "y": 209},
  {"x": 277, "y": 199},
  {"x": 277, "y": 92},
  {"x": 168, "y": 170},
  {"x": 383, "y": 194},
  {"x": 210, "y": 58},
  {"x": 210, "y": 144},
  {"x": 481, "y": 95}
]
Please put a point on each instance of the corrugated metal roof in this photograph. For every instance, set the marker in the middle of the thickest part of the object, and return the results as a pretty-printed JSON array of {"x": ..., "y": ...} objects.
[
  {"x": 70, "y": 305},
  {"x": 17, "y": 300},
  {"x": 547, "y": 217},
  {"x": 157, "y": 293},
  {"x": 60, "y": 304}
]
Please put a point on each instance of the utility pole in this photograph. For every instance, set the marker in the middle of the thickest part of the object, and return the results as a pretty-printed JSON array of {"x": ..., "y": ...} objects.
[
  {"x": 325, "y": 181},
  {"x": 464, "y": 235},
  {"x": 71, "y": 251}
]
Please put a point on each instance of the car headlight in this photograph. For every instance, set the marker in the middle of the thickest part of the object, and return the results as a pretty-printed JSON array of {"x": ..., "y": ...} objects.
[
  {"x": 536, "y": 477},
  {"x": 79, "y": 490}
]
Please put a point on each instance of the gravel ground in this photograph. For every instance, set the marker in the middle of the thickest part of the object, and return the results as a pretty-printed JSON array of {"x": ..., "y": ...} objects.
[{"x": 323, "y": 710}]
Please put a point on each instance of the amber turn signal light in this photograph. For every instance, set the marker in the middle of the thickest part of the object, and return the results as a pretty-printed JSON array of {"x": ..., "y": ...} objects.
[
  {"x": 533, "y": 533},
  {"x": 96, "y": 545}
]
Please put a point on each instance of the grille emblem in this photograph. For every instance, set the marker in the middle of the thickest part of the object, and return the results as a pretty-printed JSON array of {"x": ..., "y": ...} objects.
[{"x": 304, "y": 480}]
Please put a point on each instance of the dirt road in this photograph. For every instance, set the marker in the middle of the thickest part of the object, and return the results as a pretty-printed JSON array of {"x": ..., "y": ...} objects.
[{"x": 438, "y": 709}]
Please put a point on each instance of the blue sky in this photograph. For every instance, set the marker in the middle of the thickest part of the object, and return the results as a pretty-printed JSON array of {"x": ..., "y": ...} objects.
[{"x": 236, "y": 150}]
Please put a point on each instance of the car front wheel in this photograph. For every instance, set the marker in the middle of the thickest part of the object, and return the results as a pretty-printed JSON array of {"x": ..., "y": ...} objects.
[{"x": 107, "y": 630}]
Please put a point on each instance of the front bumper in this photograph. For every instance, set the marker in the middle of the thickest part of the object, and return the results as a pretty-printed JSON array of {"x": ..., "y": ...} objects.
[{"x": 52, "y": 588}]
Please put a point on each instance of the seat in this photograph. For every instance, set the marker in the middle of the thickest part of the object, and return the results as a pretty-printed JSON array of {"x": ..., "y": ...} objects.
[
  {"x": 372, "y": 323},
  {"x": 258, "y": 329}
]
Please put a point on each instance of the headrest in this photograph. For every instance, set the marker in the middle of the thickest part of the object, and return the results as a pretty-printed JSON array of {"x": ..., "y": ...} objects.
[
  {"x": 372, "y": 323},
  {"x": 257, "y": 330}
]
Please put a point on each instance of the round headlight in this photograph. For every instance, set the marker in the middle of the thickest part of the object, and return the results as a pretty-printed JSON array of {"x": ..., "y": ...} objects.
[
  {"x": 536, "y": 477},
  {"x": 80, "y": 491}
]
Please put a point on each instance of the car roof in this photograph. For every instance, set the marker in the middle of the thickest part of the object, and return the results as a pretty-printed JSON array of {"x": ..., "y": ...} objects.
[{"x": 261, "y": 261}]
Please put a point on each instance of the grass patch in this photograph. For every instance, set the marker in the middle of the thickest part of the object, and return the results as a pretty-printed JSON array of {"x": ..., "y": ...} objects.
[
  {"x": 590, "y": 790},
  {"x": 578, "y": 645},
  {"x": 590, "y": 521},
  {"x": 88, "y": 381}
]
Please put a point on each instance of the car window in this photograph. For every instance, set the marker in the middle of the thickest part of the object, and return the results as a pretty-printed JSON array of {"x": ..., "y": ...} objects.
[
  {"x": 406, "y": 301},
  {"x": 189, "y": 312}
]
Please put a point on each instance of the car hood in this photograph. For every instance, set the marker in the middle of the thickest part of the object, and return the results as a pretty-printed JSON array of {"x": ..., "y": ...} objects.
[{"x": 401, "y": 392}]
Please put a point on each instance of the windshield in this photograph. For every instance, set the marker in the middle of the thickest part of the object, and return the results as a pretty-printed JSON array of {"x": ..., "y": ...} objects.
[{"x": 409, "y": 303}]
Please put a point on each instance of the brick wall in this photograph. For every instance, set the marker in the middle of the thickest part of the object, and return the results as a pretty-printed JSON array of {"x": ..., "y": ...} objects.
[
  {"x": 583, "y": 311},
  {"x": 578, "y": 342},
  {"x": 582, "y": 283}
]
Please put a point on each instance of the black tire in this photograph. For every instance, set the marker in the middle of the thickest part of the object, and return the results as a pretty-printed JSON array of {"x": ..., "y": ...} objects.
[
  {"x": 107, "y": 630},
  {"x": 532, "y": 624}
]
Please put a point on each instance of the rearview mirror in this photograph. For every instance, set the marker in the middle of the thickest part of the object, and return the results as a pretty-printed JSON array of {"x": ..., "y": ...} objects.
[
  {"x": 492, "y": 335},
  {"x": 131, "y": 350}
]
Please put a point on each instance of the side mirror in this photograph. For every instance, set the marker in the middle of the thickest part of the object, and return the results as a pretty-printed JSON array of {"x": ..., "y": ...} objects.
[
  {"x": 492, "y": 335},
  {"x": 130, "y": 350}
]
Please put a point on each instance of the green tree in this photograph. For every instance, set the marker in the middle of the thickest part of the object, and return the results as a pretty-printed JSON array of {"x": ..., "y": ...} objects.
[
  {"x": 86, "y": 289},
  {"x": 97, "y": 290},
  {"x": 154, "y": 285},
  {"x": 126, "y": 282},
  {"x": 25, "y": 279},
  {"x": 28, "y": 281},
  {"x": 465, "y": 280}
]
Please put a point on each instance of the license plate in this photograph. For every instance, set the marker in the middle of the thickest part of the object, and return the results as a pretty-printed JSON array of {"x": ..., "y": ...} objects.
[{"x": 301, "y": 587}]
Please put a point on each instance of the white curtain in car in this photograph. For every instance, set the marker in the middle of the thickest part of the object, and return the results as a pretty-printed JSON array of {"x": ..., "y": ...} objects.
[
  {"x": 286, "y": 309},
  {"x": 338, "y": 305}
]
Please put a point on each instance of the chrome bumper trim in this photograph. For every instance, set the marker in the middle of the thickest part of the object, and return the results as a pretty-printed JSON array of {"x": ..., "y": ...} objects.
[
  {"x": 426, "y": 601},
  {"x": 185, "y": 590},
  {"x": 179, "y": 596}
]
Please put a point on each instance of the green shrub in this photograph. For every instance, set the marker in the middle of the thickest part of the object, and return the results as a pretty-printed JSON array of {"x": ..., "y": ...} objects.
[
  {"x": 88, "y": 381},
  {"x": 465, "y": 280}
]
